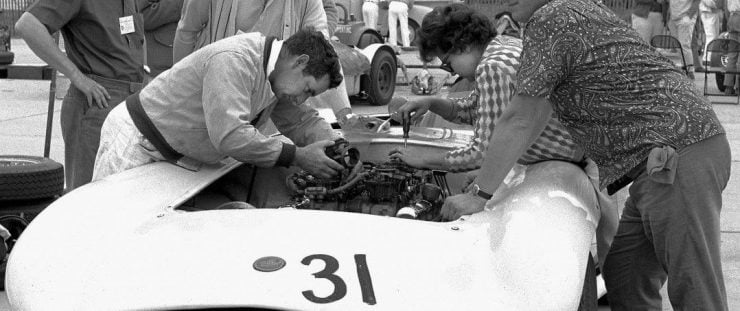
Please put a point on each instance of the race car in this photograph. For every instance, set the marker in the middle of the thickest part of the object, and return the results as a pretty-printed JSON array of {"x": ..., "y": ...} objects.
[{"x": 159, "y": 237}]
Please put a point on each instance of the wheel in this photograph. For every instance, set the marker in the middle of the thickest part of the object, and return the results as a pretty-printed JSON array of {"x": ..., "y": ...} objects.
[
  {"x": 27, "y": 177},
  {"x": 380, "y": 82},
  {"x": 413, "y": 26},
  {"x": 15, "y": 225},
  {"x": 367, "y": 38}
]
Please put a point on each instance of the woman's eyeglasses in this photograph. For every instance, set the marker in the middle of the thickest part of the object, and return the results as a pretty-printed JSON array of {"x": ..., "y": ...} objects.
[{"x": 446, "y": 63}]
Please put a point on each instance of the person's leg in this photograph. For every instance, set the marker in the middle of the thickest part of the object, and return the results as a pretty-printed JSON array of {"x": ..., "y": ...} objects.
[
  {"x": 711, "y": 27},
  {"x": 632, "y": 273},
  {"x": 729, "y": 81},
  {"x": 392, "y": 23},
  {"x": 90, "y": 125},
  {"x": 120, "y": 147},
  {"x": 74, "y": 106},
  {"x": 370, "y": 14},
  {"x": 403, "y": 18},
  {"x": 684, "y": 32},
  {"x": 684, "y": 221},
  {"x": 655, "y": 20},
  {"x": 643, "y": 27},
  {"x": 689, "y": 247}
]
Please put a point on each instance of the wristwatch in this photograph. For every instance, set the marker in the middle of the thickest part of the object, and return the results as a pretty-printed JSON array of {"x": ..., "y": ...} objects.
[{"x": 477, "y": 191}]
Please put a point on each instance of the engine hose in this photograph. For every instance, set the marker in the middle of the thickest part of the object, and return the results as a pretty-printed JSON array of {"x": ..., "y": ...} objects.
[
  {"x": 351, "y": 183},
  {"x": 291, "y": 185},
  {"x": 355, "y": 170}
]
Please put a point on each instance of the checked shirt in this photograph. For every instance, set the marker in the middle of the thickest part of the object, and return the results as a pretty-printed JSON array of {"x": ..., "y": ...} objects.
[{"x": 495, "y": 85}]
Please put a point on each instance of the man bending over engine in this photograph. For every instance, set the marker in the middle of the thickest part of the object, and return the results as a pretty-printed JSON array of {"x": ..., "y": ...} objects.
[{"x": 213, "y": 103}]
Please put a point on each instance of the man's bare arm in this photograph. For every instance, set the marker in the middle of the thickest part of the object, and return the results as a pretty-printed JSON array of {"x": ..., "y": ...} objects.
[{"x": 40, "y": 41}]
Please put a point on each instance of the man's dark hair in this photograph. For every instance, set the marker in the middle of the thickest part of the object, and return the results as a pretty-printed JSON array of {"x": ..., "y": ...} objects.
[
  {"x": 323, "y": 59},
  {"x": 452, "y": 28}
]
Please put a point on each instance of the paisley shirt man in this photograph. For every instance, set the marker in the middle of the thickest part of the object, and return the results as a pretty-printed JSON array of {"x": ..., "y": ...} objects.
[
  {"x": 601, "y": 89},
  {"x": 642, "y": 121}
]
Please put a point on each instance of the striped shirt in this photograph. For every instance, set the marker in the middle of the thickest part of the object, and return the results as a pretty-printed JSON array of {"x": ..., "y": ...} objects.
[{"x": 495, "y": 86}]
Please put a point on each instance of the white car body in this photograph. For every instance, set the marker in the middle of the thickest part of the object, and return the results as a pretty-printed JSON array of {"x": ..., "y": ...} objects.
[{"x": 122, "y": 244}]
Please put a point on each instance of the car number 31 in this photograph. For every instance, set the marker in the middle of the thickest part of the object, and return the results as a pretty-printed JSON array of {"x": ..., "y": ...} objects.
[{"x": 331, "y": 265}]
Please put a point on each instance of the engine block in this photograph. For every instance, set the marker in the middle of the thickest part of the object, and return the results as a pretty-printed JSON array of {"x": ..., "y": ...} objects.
[{"x": 386, "y": 189}]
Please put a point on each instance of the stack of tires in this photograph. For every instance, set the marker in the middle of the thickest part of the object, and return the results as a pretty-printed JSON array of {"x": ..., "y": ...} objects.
[{"x": 27, "y": 185}]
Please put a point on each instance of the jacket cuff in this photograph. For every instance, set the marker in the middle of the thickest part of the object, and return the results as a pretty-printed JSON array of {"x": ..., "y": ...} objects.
[{"x": 286, "y": 155}]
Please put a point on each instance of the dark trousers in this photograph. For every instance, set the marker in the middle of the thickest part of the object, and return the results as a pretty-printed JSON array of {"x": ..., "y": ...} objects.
[
  {"x": 672, "y": 231},
  {"x": 81, "y": 127}
]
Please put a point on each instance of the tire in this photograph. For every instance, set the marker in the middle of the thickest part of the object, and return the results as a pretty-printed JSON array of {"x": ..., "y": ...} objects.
[
  {"x": 27, "y": 177},
  {"x": 380, "y": 82},
  {"x": 15, "y": 225},
  {"x": 589, "y": 299},
  {"x": 367, "y": 38},
  {"x": 413, "y": 26},
  {"x": 6, "y": 58}
]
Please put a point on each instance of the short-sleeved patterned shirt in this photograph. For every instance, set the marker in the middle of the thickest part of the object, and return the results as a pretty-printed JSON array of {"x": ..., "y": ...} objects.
[
  {"x": 617, "y": 96},
  {"x": 494, "y": 87}
]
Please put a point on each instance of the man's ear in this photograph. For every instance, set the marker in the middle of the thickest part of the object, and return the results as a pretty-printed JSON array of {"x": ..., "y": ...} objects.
[{"x": 302, "y": 60}]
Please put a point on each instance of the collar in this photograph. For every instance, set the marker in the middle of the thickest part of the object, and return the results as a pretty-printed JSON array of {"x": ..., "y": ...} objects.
[{"x": 277, "y": 45}]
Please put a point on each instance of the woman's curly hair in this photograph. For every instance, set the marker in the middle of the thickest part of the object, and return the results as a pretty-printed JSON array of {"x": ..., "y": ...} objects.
[{"x": 452, "y": 28}]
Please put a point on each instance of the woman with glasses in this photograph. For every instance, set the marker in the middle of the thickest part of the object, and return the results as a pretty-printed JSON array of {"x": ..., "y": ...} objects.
[{"x": 466, "y": 43}]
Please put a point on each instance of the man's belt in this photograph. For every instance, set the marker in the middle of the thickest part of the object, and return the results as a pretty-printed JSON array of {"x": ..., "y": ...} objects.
[
  {"x": 145, "y": 125},
  {"x": 626, "y": 179}
]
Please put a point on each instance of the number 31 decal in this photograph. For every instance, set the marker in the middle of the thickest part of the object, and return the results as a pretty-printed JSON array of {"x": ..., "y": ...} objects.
[{"x": 331, "y": 265}]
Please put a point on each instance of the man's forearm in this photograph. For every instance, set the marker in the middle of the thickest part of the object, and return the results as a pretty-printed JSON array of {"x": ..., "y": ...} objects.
[
  {"x": 43, "y": 45},
  {"x": 519, "y": 126}
]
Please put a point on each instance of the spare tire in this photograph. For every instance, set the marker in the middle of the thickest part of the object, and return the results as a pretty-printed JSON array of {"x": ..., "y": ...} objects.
[{"x": 28, "y": 177}]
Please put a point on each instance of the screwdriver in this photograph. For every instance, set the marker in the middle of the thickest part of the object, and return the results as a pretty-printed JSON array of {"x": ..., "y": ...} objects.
[{"x": 406, "y": 123}]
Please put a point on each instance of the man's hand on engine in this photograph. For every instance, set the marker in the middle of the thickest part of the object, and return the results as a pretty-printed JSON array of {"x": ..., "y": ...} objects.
[
  {"x": 412, "y": 157},
  {"x": 461, "y": 204},
  {"x": 313, "y": 159}
]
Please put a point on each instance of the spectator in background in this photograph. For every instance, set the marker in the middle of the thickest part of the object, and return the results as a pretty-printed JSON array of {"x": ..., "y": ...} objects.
[
  {"x": 104, "y": 61},
  {"x": 711, "y": 13},
  {"x": 732, "y": 14},
  {"x": 160, "y": 23},
  {"x": 370, "y": 13},
  {"x": 647, "y": 18},
  {"x": 332, "y": 18},
  {"x": 206, "y": 21},
  {"x": 398, "y": 13},
  {"x": 683, "y": 21}
]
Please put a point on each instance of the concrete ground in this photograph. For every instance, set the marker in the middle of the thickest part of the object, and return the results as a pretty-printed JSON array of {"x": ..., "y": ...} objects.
[{"x": 23, "y": 113}]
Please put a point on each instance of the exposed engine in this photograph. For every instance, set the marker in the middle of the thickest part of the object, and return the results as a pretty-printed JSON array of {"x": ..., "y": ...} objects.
[{"x": 388, "y": 189}]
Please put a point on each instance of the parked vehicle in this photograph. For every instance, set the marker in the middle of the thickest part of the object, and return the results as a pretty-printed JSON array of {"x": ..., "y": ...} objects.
[{"x": 353, "y": 8}]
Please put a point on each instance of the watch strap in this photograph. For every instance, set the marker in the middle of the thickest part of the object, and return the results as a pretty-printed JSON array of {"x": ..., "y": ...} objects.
[{"x": 481, "y": 193}]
